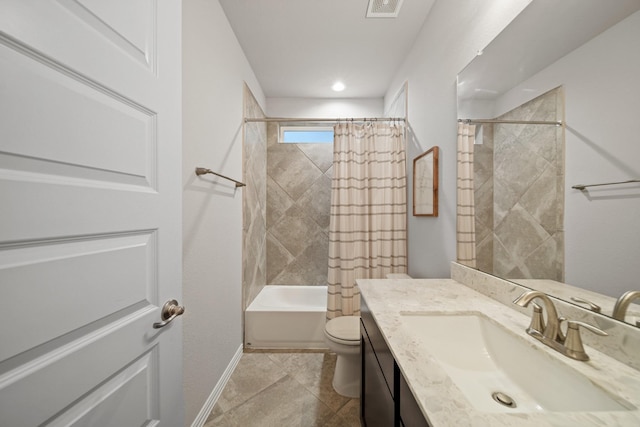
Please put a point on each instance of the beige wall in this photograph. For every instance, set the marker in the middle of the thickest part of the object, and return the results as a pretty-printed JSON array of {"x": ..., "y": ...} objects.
[{"x": 214, "y": 72}]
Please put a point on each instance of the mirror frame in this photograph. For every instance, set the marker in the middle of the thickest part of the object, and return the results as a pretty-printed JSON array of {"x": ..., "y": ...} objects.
[{"x": 425, "y": 183}]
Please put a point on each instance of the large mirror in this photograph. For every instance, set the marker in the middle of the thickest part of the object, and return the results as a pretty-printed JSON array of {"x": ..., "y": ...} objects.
[{"x": 578, "y": 62}]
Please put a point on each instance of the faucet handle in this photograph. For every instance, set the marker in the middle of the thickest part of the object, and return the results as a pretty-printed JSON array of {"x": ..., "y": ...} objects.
[
  {"x": 592, "y": 306},
  {"x": 537, "y": 320},
  {"x": 573, "y": 342},
  {"x": 561, "y": 337}
]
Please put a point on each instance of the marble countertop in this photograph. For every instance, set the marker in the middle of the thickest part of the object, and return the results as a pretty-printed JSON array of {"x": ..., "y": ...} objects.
[{"x": 441, "y": 401}]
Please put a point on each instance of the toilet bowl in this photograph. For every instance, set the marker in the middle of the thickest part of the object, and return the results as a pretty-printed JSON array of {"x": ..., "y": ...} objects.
[{"x": 342, "y": 336}]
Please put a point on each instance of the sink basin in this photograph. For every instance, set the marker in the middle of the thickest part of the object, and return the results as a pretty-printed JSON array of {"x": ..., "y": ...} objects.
[{"x": 483, "y": 358}]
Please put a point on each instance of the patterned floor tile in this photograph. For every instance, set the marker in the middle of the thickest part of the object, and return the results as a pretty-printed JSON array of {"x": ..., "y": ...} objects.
[{"x": 284, "y": 390}]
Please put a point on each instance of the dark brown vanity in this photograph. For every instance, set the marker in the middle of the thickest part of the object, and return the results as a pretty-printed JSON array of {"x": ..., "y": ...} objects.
[{"x": 385, "y": 398}]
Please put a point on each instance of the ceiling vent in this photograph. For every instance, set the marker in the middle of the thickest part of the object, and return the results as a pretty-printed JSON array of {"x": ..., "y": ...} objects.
[{"x": 383, "y": 8}]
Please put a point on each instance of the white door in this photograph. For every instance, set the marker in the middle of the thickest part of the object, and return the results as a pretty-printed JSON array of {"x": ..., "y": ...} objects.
[{"x": 90, "y": 202}]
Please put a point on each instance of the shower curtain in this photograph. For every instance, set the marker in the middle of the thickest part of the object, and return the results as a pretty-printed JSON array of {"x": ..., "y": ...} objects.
[
  {"x": 367, "y": 229},
  {"x": 466, "y": 228}
]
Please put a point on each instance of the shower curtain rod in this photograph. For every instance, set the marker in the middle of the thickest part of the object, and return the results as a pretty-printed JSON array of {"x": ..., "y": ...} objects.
[
  {"x": 510, "y": 122},
  {"x": 336, "y": 120}
]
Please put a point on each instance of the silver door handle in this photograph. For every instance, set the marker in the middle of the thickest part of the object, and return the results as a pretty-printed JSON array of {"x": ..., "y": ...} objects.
[{"x": 170, "y": 311}]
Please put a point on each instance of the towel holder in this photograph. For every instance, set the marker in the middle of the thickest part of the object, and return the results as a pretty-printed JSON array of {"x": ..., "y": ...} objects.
[
  {"x": 583, "y": 187},
  {"x": 203, "y": 171}
]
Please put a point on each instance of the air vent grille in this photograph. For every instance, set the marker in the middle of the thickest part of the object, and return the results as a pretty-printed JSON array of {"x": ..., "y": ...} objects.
[{"x": 383, "y": 8}]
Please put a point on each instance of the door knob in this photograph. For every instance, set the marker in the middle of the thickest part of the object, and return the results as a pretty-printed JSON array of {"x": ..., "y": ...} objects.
[{"x": 170, "y": 311}]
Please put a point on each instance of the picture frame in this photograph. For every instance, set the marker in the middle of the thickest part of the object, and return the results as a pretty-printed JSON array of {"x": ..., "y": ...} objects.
[{"x": 425, "y": 183}]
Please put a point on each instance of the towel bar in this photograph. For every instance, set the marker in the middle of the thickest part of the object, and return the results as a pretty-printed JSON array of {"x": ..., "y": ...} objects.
[
  {"x": 582, "y": 187},
  {"x": 203, "y": 171}
]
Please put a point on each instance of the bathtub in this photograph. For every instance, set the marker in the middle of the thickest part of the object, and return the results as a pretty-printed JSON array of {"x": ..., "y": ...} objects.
[{"x": 286, "y": 317}]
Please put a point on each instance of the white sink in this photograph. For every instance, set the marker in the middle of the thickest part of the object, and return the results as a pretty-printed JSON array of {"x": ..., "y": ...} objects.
[{"x": 482, "y": 357}]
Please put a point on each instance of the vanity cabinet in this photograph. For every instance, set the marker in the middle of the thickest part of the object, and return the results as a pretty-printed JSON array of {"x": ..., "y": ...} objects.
[
  {"x": 385, "y": 397},
  {"x": 377, "y": 407},
  {"x": 410, "y": 413}
]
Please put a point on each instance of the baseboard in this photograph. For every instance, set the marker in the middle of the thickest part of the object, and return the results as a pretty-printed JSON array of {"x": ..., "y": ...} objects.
[{"x": 217, "y": 390}]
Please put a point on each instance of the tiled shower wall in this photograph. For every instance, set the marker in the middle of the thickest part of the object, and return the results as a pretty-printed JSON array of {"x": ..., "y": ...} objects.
[
  {"x": 254, "y": 202},
  {"x": 298, "y": 204},
  {"x": 483, "y": 197},
  {"x": 519, "y": 193}
]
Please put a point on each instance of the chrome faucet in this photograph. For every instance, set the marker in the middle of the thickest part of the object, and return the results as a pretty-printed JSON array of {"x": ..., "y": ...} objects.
[
  {"x": 550, "y": 334},
  {"x": 620, "y": 309}
]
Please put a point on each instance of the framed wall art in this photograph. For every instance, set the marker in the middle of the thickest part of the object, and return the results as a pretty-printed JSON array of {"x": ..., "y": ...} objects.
[{"x": 425, "y": 183}]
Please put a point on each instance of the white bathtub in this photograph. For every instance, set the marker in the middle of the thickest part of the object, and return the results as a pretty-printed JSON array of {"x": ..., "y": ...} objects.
[{"x": 286, "y": 317}]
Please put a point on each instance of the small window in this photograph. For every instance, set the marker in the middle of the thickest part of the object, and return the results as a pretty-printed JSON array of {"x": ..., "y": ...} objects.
[{"x": 306, "y": 134}]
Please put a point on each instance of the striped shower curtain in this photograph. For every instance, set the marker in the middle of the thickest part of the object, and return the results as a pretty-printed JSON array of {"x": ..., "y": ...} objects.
[
  {"x": 367, "y": 230},
  {"x": 466, "y": 227}
]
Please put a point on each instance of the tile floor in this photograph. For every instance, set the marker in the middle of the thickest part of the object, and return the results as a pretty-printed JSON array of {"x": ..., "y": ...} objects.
[{"x": 283, "y": 390}]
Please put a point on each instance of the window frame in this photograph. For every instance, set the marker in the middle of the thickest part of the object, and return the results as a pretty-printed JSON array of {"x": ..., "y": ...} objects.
[{"x": 283, "y": 127}]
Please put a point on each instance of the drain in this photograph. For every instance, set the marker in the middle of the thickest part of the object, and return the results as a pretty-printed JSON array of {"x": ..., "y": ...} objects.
[{"x": 503, "y": 399}]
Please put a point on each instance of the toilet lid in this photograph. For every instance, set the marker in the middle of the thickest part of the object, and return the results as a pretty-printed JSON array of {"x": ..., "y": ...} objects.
[{"x": 344, "y": 328}]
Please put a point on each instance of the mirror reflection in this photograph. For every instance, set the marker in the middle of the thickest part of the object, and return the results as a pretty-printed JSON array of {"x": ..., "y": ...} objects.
[{"x": 574, "y": 62}]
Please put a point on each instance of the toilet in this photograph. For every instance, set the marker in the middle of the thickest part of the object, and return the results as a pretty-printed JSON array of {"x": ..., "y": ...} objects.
[{"x": 342, "y": 336}]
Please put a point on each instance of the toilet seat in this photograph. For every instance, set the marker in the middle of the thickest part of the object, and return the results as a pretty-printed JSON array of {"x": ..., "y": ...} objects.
[{"x": 344, "y": 330}]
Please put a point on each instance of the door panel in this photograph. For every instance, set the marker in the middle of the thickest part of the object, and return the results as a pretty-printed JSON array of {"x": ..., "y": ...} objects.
[
  {"x": 121, "y": 143},
  {"x": 93, "y": 41},
  {"x": 126, "y": 400},
  {"x": 104, "y": 276},
  {"x": 90, "y": 199},
  {"x": 39, "y": 389},
  {"x": 128, "y": 24}
]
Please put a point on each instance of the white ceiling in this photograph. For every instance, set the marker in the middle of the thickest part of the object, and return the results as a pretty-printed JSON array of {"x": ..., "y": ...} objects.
[{"x": 299, "y": 48}]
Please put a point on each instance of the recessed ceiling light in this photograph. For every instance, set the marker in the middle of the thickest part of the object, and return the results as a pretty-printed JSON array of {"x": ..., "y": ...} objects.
[{"x": 338, "y": 86}]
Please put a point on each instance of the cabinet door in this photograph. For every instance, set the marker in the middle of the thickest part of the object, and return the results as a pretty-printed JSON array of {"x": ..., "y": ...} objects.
[
  {"x": 410, "y": 413},
  {"x": 376, "y": 402},
  {"x": 380, "y": 348}
]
